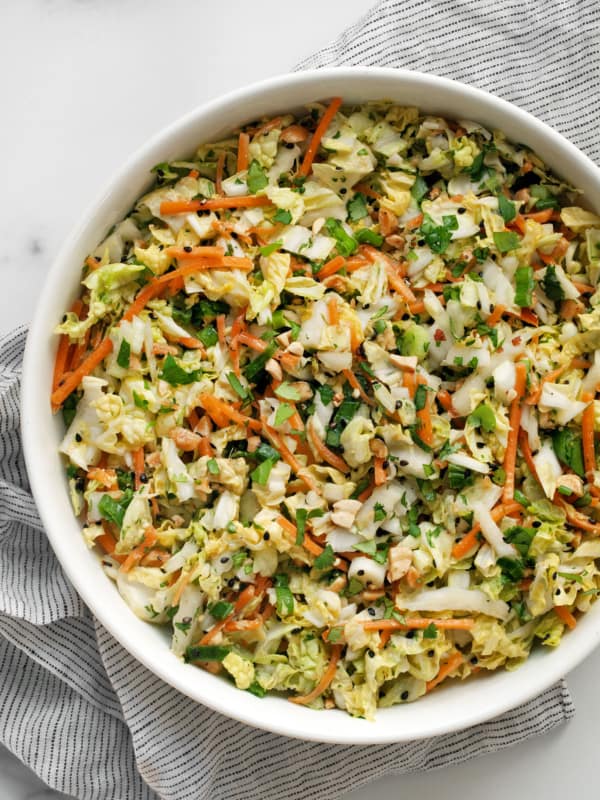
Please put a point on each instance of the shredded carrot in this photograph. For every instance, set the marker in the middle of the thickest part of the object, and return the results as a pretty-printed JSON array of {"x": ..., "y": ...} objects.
[
  {"x": 200, "y": 264},
  {"x": 333, "y": 311},
  {"x": 526, "y": 450},
  {"x": 587, "y": 436},
  {"x": 241, "y": 625},
  {"x": 92, "y": 262},
  {"x": 321, "y": 130},
  {"x": 575, "y": 518},
  {"x": 221, "y": 330},
  {"x": 219, "y": 172},
  {"x": 409, "y": 381},
  {"x": 138, "y": 466},
  {"x": 584, "y": 288},
  {"x": 242, "y": 154},
  {"x": 74, "y": 379},
  {"x": 379, "y": 472},
  {"x": 367, "y": 191},
  {"x": 535, "y": 394},
  {"x": 193, "y": 173},
  {"x": 325, "y": 453},
  {"x": 137, "y": 554},
  {"x": 149, "y": 292},
  {"x": 331, "y": 267},
  {"x": 496, "y": 315},
  {"x": 60, "y": 363},
  {"x": 419, "y": 623},
  {"x": 384, "y": 637},
  {"x": 510, "y": 454},
  {"x": 326, "y": 678},
  {"x": 288, "y": 456},
  {"x": 445, "y": 400},
  {"x": 446, "y": 668},
  {"x": 563, "y": 613},
  {"x": 425, "y": 430},
  {"x": 366, "y": 493},
  {"x": 356, "y": 384},
  {"x": 540, "y": 216},
  {"x": 223, "y": 413},
  {"x": 398, "y": 284},
  {"x": 107, "y": 543},
  {"x": 469, "y": 540},
  {"x": 414, "y": 222},
  {"x": 212, "y": 204},
  {"x": 206, "y": 251},
  {"x": 183, "y": 582},
  {"x": 155, "y": 558}
]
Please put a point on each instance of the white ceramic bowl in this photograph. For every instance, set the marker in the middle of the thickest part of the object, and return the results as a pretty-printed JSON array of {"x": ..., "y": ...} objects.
[{"x": 451, "y": 708}]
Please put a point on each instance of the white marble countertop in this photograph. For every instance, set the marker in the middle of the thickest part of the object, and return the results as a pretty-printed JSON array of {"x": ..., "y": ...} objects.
[{"x": 85, "y": 83}]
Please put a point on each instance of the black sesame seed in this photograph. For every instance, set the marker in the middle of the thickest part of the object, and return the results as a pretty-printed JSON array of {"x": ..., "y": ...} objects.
[
  {"x": 421, "y": 242},
  {"x": 186, "y": 620},
  {"x": 371, "y": 654},
  {"x": 557, "y": 591},
  {"x": 405, "y": 695},
  {"x": 78, "y": 437},
  {"x": 536, "y": 523},
  {"x": 554, "y": 576},
  {"x": 187, "y": 248},
  {"x": 403, "y": 462},
  {"x": 296, "y": 630},
  {"x": 224, "y": 559},
  {"x": 474, "y": 660},
  {"x": 430, "y": 653},
  {"x": 343, "y": 190},
  {"x": 460, "y": 210},
  {"x": 410, "y": 634},
  {"x": 385, "y": 464},
  {"x": 80, "y": 484},
  {"x": 371, "y": 611},
  {"x": 360, "y": 572},
  {"x": 289, "y": 145},
  {"x": 143, "y": 478},
  {"x": 266, "y": 536}
]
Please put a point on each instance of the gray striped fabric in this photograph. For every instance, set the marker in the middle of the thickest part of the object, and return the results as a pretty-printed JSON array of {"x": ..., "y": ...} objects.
[{"x": 74, "y": 705}]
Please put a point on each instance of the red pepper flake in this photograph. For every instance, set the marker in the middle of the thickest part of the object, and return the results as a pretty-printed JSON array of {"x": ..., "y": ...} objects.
[{"x": 439, "y": 335}]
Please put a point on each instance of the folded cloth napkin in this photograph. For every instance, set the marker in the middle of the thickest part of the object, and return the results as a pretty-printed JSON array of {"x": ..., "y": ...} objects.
[{"x": 75, "y": 706}]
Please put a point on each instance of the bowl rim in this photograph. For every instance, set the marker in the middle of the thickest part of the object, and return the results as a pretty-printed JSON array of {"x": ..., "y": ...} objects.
[{"x": 233, "y": 703}]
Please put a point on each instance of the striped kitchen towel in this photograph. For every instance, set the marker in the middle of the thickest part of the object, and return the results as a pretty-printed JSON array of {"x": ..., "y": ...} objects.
[{"x": 74, "y": 705}]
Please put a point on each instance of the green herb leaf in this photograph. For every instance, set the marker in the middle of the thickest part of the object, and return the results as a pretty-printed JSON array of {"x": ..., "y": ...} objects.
[
  {"x": 512, "y": 568},
  {"x": 437, "y": 237},
  {"x": 256, "y": 689},
  {"x": 285, "y": 598},
  {"x": 325, "y": 393},
  {"x": 69, "y": 409},
  {"x": 506, "y": 208},
  {"x": 114, "y": 510},
  {"x": 256, "y": 178},
  {"x": 334, "y": 635},
  {"x": 483, "y": 417},
  {"x": 238, "y": 387},
  {"x": 175, "y": 375},
  {"x": 254, "y": 368},
  {"x": 209, "y": 336},
  {"x": 139, "y": 401},
  {"x": 206, "y": 652},
  {"x": 354, "y": 587},
  {"x": 525, "y": 285},
  {"x": 476, "y": 169},
  {"x": 458, "y": 477},
  {"x": 420, "y": 397},
  {"x": 184, "y": 627},
  {"x": 221, "y": 609},
  {"x": 346, "y": 244},
  {"x": 301, "y": 516},
  {"x": 262, "y": 472},
  {"x": 430, "y": 632},
  {"x": 379, "y": 513},
  {"x": 419, "y": 189},
  {"x": 270, "y": 248},
  {"x": 283, "y": 216},
  {"x": 325, "y": 559},
  {"x": 569, "y": 450},
  {"x": 520, "y": 537},
  {"x": 367, "y": 236},
  {"x": 551, "y": 285},
  {"x": 283, "y": 413},
  {"x": 287, "y": 392},
  {"x": 124, "y": 354},
  {"x": 506, "y": 241},
  {"x": 357, "y": 207}
]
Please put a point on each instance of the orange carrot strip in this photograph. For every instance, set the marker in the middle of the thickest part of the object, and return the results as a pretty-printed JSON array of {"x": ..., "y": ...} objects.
[
  {"x": 206, "y": 251},
  {"x": 138, "y": 466},
  {"x": 222, "y": 413},
  {"x": 326, "y": 678},
  {"x": 526, "y": 450},
  {"x": 137, "y": 554},
  {"x": 219, "y": 172},
  {"x": 107, "y": 543},
  {"x": 563, "y": 613},
  {"x": 184, "y": 581},
  {"x": 496, "y": 315},
  {"x": 418, "y": 623},
  {"x": 240, "y": 625},
  {"x": 414, "y": 222},
  {"x": 540, "y": 216},
  {"x": 469, "y": 541},
  {"x": 587, "y": 436},
  {"x": 333, "y": 311},
  {"x": 253, "y": 342},
  {"x": 331, "y": 267},
  {"x": 325, "y": 453},
  {"x": 221, "y": 330},
  {"x": 242, "y": 154},
  {"x": 92, "y": 262},
  {"x": 510, "y": 453},
  {"x": 448, "y": 666},
  {"x": 74, "y": 379},
  {"x": 584, "y": 288},
  {"x": 424, "y": 416},
  {"x": 212, "y": 204},
  {"x": 321, "y": 130},
  {"x": 367, "y": 191},
  {"x": 399, "y": 285},
  {"x": 549, "y": 377},
  {"x": 445, "y": 400},
  {"x": 149, "y": 292},
  {"x": 384, "y": 637},
  {"x": 355, "y": 384},
  {"x": 60, "y": 363},
  {"x": 200, "y": 264}
]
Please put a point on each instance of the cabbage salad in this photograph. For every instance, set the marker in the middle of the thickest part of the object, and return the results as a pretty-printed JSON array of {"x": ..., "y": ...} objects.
[{"x": 330, "y": 403}]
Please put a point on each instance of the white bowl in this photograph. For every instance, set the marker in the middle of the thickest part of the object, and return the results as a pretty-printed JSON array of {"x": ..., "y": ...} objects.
[{"x": 448, "y": 709}]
